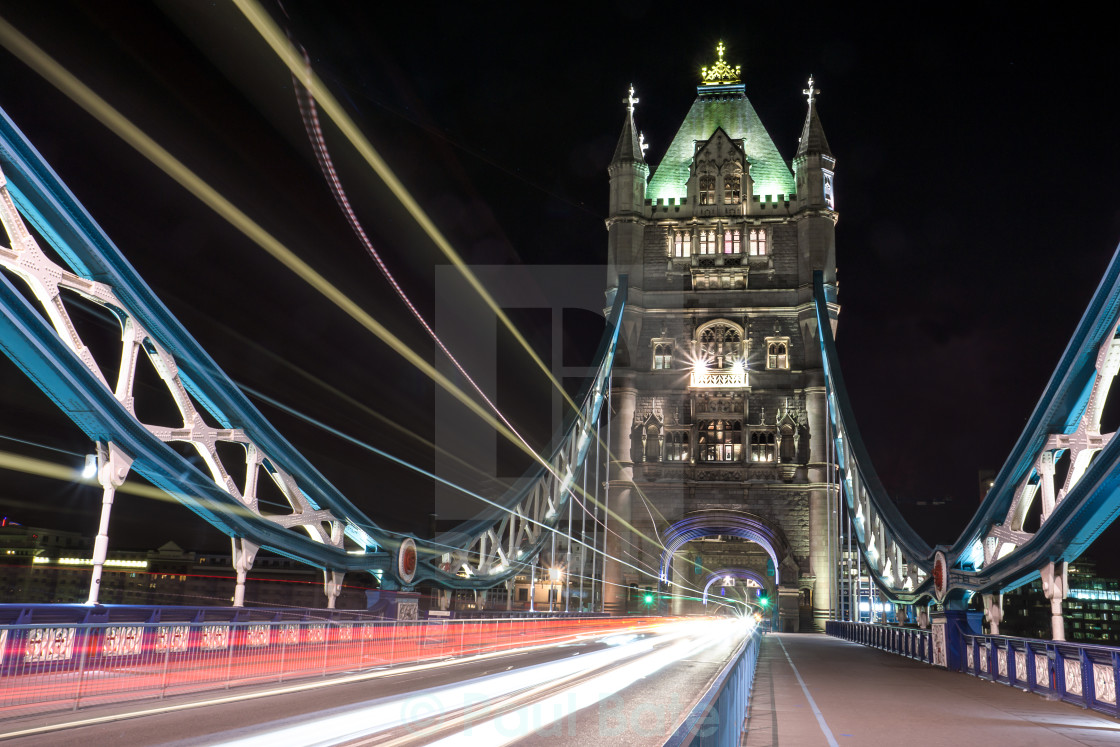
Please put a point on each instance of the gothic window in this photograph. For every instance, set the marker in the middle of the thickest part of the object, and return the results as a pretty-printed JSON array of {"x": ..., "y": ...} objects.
[
  {"x": 762, "y": 446},
  {"x": 731, "y": 190},
  {"x": 719, "y": 441},
  {"x": 758, "y": 242},
  {"x": 721, "y": 344},
  {"x": 676, "y": 446},
  {"x": 788, "y": 449},
  {"x": 707, "y": 242},
  {"x": 777, "y": 355},
  {"x": 662, "y": 357},
  {"x": 682, "y": 244},
  {"x": 653, "y": 444},
  {"x": 707, "y": 190},
  {"x": 731, "y": 240}
]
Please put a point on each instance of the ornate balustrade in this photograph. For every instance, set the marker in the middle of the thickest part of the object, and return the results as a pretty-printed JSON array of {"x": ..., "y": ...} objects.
[
  {"x": 1084, "y": 675},
  {"x": 909, "y": 642}
]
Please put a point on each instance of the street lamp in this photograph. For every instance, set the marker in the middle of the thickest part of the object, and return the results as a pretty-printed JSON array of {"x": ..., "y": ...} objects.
[{"x": 554, "y": 575}]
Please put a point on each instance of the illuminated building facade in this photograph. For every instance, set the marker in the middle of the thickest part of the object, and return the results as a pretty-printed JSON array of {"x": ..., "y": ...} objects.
[
  {"x": 718, "y": 391},
  {"x": 40, "y": 566},
  {"x": 1091, "y": 609}
]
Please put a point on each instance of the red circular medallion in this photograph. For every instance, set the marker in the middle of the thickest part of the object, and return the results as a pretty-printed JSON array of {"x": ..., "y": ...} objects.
[{"x": 406, "y": 560}]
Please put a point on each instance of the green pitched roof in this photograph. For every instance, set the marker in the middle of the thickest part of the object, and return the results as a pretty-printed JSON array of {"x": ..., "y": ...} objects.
[{"x": 728, "y": 108}]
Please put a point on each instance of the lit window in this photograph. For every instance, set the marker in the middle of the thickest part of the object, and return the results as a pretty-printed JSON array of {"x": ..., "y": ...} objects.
[
  {"x": 662, "y": 357},
  {"x": 731, "y": 243},
  {"x": 720, "y": 441},
  {"x": 707, "y": 242},
  {"x": 682, "y": 244},
  {"x": 777, "y": 355},
  {"x": 707, "y": 190},
  {"x": 758, "y": 242},
  {"x": 762, "y": 446},
  {"x": 676, "y": 446},
  {"x": 731, "y": 190},
  {"x": 721, "y": 344}
]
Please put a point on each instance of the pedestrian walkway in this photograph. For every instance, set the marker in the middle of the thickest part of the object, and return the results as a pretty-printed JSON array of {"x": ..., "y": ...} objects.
[{"x": 816, "y": 690}]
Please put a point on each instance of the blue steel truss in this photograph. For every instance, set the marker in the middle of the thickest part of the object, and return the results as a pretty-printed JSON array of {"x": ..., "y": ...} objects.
[
  {"x": 995, "y": 552},
  {"x": 324, "y": 528}
]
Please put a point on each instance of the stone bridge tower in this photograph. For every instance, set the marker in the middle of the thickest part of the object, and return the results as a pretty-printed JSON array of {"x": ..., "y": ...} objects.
[{"x": 718, "y": 428}]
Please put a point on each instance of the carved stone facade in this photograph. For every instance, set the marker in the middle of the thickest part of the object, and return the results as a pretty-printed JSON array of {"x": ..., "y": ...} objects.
[{"x": 719, "y": 395}]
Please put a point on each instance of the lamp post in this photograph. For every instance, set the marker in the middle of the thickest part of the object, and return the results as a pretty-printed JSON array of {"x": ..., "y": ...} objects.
[
  {"x": 554, "y": 575},
  {"x": 532, "y": 585}
]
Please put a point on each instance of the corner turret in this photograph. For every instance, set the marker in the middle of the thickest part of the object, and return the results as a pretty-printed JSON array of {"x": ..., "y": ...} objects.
[
  {"x": 814, "y": 168},
  {"x": 814, "y": 164},
  {"x": 628, "y": 174}
]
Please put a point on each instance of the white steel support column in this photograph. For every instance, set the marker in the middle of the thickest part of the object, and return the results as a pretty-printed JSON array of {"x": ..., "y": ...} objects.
[
  {"x": 993, "y": 611},
  {"x": 244, "y": 555},
  {"x": 1054, "y": 588},
  {"x": 112, "y": 469},
  {"x": 1046, "y": 482},
  {"x": 332, "y": 586}
]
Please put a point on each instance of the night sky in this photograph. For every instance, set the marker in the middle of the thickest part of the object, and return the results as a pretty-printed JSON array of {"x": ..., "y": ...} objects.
[{"x": 976, "y": 186}]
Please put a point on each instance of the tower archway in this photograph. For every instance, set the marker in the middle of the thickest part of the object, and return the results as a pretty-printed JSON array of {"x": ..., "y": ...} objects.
[
  {"x": 727, "y": 522},
  {"x": 744, "y": 574}
]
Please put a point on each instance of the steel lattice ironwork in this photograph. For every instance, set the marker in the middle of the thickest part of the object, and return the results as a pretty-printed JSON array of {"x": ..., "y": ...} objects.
[
  {"x": 322, "y": 527},
  {"x": 995, "y": 552}
]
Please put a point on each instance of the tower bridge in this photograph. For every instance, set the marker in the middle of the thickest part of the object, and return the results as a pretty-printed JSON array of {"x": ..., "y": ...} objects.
[{"x": 716, "y": 421}]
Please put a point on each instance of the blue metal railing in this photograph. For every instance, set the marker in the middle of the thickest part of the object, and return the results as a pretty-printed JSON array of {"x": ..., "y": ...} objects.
[
  {"x": 1085, "y": 675},
  {"x": 1082, "y": 674},
  {"x": 717, "y": 719},
  {"x": 909, "y": 642}
]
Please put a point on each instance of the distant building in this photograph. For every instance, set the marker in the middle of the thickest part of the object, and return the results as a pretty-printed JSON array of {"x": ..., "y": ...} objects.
[
  {"x": 1091, "y": 611},
  {"x": 39, "y": 565}
]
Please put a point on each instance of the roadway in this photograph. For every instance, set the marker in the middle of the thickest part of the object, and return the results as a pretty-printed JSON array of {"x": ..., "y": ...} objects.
[
  {"x": 815, "y": 690},
  {"x": 631, "y": 689}
]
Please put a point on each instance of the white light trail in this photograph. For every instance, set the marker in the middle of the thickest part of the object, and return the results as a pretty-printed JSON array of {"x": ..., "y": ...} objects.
[{"x": 471, "y": 705}]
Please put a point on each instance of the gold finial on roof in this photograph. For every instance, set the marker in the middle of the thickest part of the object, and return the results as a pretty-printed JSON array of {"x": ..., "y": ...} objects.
[{"x": 720, "y": 73}]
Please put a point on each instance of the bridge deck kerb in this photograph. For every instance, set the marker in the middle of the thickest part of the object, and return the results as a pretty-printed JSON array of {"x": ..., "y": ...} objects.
[{"x": 869, "y": 697}]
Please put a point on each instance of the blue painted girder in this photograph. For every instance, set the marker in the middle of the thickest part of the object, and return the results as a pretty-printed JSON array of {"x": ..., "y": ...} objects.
[
  {"x": 48, "y": 205},
  {"x": 1077, "y": 520}
]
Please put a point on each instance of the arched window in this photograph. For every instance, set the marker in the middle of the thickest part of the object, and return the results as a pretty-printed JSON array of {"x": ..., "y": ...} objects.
[
  {"x": 788, "y": 449},
  {"x": 731, "y": 190},
  {"x": 682, "y": 244},
  {"x": 662, "y": 357},
  {"x": 653, "y": 444},
  {"x": 720, "y": 344},
  {"x": 777, "y": 355},
  {"x": 707, "y": 242},
  {"x": 707, "y": 190},
  {"x": 720, "y": 441},
  {"x": 762, "y": 446},
  {"x": 731, "y": 241},
  {"x": 758, "y": 242}
]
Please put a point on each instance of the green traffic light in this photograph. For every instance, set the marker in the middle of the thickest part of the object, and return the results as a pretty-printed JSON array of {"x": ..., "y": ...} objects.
[
  {"x": 649, "y": 598},
  {"x": 764, "y": 601}
]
